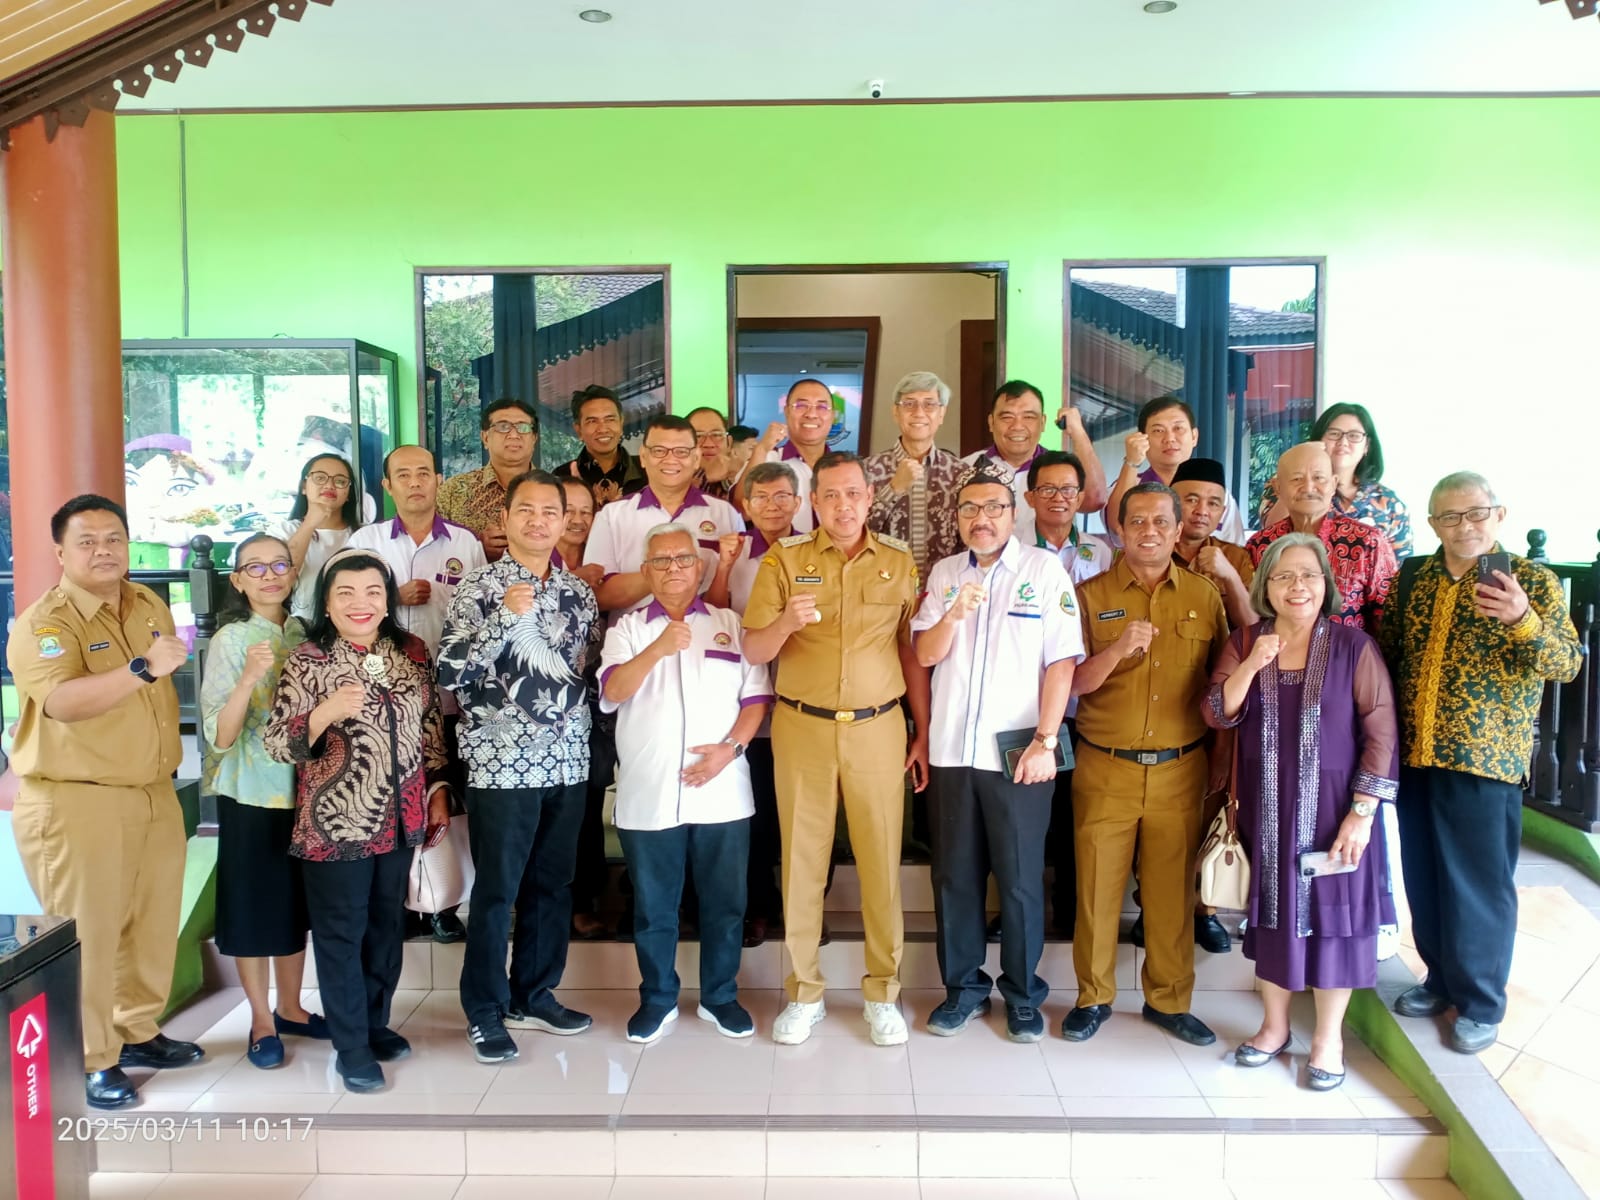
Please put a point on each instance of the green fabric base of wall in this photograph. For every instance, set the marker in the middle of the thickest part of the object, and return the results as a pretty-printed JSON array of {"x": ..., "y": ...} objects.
[
  {"x": 198, "y": 921},
  {"x": 1556, "y": 837},
  {"x": 1472, "y": 1167}
]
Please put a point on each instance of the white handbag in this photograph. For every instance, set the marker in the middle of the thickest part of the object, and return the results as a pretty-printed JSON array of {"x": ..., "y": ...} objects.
[
  {"x": 1224, "y": 869},
  {"x": 441, "y": 878}
]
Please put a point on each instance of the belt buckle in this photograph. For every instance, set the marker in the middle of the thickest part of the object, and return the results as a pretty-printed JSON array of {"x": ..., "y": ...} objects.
[
  {"x": 844, "y": 715},
  {"x": 1149, "y": 758}
]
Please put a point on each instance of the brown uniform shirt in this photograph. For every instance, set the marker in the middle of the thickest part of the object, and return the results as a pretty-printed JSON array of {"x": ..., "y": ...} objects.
[
  {"x": 1238, "y": 557},
  {"x": 67, "y": 634},
  {"x": 1150, "y": 701},
  {"x": 850, "y": 659}
]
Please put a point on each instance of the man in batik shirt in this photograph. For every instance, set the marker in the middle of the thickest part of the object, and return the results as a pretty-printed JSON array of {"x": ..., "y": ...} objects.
[{"x": 915, "y": 482}]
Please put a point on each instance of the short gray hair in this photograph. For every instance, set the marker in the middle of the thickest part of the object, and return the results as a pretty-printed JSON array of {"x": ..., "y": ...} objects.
[
  {"x": 922, "y": 381},
  {"x": 1460, "y": 481},
  {"x": 666, "y": 529},
  {"x": 1332, "y": 601},
  {"x": 769, "y": 472}
]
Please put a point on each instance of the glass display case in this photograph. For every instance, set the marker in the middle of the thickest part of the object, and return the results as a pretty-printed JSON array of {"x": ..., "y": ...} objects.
[{"x": 216, "y": 432}]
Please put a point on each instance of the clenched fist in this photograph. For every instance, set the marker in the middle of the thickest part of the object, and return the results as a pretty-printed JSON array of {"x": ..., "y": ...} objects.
[
  {"x": 1136, "y": 638},
  {"x": 673, "y": 638},
  {"x": 1136, "y": 449},
  {"x": 416, "y": 592},
  {"x": 801, "y": 611},
  {"x": 967, "y": 601},
  {"x": 1264, "y": 651},
  {"x": 729, "y": 547},
  {"x": 905, "y": 476},
  {"x": 166, "y": 655},
  {"x": 1214, "y": 563},
  {"x": 258, "y": 661},
  {"x": 345, "y": 703},
  {"x": 518, "y": 598}
]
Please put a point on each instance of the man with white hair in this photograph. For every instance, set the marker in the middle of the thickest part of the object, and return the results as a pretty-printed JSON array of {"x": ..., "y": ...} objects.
[
  {"x": 1472, "y": 635},
  {"x": 915, "y": 482}
]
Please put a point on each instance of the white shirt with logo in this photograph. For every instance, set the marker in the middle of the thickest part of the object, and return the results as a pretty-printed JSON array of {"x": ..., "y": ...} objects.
[
  {"x": 1084, "y": 555},
  {"x": 990, "y": 680},
  {"x": 617, "y": 540},
  {"x": 442, "y": 561}
]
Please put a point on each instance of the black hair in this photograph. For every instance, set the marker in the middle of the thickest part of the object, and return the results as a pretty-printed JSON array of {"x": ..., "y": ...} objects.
[
  {"x": 322, "y": 631},
  {"x": 836, "y": 458},
  {"x": 807, "y": 379},
  {"x": 1153, "y": 487},
  {"x": 505, "y": 402},
  {"x": 235, "y": 606},
  {"x": 351, "y": 510},
  {"x": 1161, "y": 404},
  {"x": 1014, "y": 389},
  {"x": 541, "y": 477},
  {"x": 706, "y": 408},
  {"x": 1370, "y": 468},
  {"x": 741, "y": 433},
  {"x": 433, "y": 459},
  {"x": 88, "y": 502},
  {"x": 567, "y": 481},
  {"x": 669, "y": 422},
  {"x": 594, "y": 392},
  {"x": 1053, "y": 458}
]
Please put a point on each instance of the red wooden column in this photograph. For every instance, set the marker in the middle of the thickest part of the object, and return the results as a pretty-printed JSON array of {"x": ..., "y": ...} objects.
[{"x": 63, "y": 330}]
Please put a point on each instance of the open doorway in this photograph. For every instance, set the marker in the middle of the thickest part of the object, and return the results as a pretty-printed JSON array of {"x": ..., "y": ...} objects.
[{"x": 860, "y": 329}]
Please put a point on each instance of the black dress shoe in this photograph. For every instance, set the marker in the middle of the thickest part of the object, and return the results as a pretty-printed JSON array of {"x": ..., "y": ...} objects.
[
  {"x": 1210, "y": 935},
  {"x": 160, "y": 1052},
  {"x": 109, "y": 1089},
  {"x": 387, "y": 1045},
  {"x": 1081, "y": 1024},
  {"x": 1418, "y": 1001},
  {"x": 991, "y": 934},
  {"x": 1136, "y": 931},
  {"x": 1185, "y": 1026},
  {"x": 359, "y": 1070},
  {"x": 447, "y": 928}
]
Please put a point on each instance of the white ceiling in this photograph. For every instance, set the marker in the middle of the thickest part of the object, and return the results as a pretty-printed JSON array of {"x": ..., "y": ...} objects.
[{"x": 435, "y": 52}]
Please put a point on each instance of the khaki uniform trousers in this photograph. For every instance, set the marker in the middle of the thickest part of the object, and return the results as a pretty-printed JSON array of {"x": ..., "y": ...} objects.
[
  {"x": 817, "y": 761},
  {"x": 1116, "y": 806},
  {"x": 111, "y": 858}
]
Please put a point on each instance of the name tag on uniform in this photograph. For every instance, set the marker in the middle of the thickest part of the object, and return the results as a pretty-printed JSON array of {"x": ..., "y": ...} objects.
[
  {"x": 808, "y": 578},
  {"x": 101, "y": 646},
  {"x": 1111, "y": 614}
]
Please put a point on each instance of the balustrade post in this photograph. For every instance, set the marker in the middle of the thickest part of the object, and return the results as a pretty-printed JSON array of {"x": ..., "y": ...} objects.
[{"x": 1537, "y": 539}]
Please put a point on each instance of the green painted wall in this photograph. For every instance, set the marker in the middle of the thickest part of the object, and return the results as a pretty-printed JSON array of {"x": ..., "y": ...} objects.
[{"x": 1463, "y": 254}]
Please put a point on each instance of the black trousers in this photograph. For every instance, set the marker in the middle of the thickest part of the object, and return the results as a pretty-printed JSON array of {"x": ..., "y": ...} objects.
[
  {"x": 357, "y": 937},
  {"x": 763, "y": 899},
  {"x": 1459, "y": 838},
  {"x": 980, "y": 822},
  {"x": 524, "y": 845},
  {"x": 589, "y": 873},
  {"x": 1061, "y": 851}
]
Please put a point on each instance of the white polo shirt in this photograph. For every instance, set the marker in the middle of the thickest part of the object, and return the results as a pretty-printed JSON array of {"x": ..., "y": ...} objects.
[
  {"x": 805, "y": 520},
  {"x": 690, "y": 699},
  {"x": 989, "y": 682},
  {"x": 444, "y": 557},
  {"x": 1024, "y": 526},
  {"x": 616, "y": 541},
  {"x": 1084, "y": 555},
  {"x": 742, "y": 576}
]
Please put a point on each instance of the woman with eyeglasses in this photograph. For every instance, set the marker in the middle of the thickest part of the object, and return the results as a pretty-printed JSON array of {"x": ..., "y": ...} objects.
[
  {"x": 325, "y": 513},
  {"x": 261, "y": 907},
  {"x": 1351, "y": 440},
  {"x": 1316, "y": 755}
]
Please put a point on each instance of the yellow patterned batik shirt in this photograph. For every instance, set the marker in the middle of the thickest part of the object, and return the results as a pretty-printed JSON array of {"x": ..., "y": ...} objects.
[{"x": 1469, "y": 686}]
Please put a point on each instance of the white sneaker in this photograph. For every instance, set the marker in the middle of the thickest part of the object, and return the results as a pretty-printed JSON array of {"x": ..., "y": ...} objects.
[
  {"x": 794, "y": 1023},
  {"x": 888, "y": 1026}
]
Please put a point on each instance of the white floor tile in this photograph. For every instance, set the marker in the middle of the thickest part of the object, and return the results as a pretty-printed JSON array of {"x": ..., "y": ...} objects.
[
  {"x": 123, "y": 1185},
  {"x": 1005, "y": 1189},
  {"x": 1413, "y": 1156},
  {"x": 209, "y": 1187},
  {"x": 843, "y": 1189},
  {"x": 842, "y": 1153},
  {"x": 961, "y": 1154},
  {"x": 701, "y": 1188},
  {"x": 978, "y": 1066},
  {"x": 541, "y": 1152},
  {"x": 383, "y": 1187},
  {"x": 1281, "y": 1156},
  {"x": 1185, "y": 1156},
  {"x": 392, "y": 1152},
  {"x": 518, "y": 1187},
  {"x": 838, "y": 1065},
  {"x": 698, "y": 1065},
  {"x": 1112, "y": 1188},
  {"x": 691, "y": 1152},
  {"x": 936, "y": 1105},
  {"x": 836, "y": 1104}
]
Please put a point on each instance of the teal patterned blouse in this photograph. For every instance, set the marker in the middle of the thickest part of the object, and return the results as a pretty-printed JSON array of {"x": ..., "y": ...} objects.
[{"x": 245, "y": 771}]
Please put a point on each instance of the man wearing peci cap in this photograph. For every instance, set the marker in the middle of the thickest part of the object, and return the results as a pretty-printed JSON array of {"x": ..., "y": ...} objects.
[{"x": 1202, "y": 488}]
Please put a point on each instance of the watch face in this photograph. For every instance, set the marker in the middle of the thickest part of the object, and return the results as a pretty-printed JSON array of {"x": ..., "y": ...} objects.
[{"x": 139, "y": 666}]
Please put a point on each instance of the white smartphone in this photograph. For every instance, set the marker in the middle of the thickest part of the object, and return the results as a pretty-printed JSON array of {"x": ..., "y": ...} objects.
[{"x": 1317, "y": 862}]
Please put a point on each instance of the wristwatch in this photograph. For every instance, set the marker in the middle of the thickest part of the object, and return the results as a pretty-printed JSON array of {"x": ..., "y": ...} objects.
[
  {"x": 738, "y": 746},
  {"x": 1047, "y": 740},
  {"x": 141, "y": 668},
  {"x": 1363, "y": 808}
]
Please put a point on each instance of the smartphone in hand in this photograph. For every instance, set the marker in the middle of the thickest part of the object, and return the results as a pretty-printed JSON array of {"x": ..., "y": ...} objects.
[
  {"x": 1317, "y": 862},
  {"x": 1488, "y": 564}
]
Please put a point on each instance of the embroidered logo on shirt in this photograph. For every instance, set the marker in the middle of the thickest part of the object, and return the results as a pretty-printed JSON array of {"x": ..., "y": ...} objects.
[
  {"x": 1086, "y": 552},
  {"x": 50, "y": 647},
  {"x": 1025, "y": 593},
  {"x": 45, "y": 629},
  {"x": 1111, "y": 614},
  {"x": 708, "y": 527},
  {"x": 1067, "y": 606},
  {"x": 452, "y": 566},
  {"x": 723, "y": 639}
]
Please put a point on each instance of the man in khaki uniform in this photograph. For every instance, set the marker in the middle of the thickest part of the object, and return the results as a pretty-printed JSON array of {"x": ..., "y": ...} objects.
[
  {"x": 1152, "y": 630},
  {"x": 833, "y": 609},
  {"x": 97, "y": 820}
]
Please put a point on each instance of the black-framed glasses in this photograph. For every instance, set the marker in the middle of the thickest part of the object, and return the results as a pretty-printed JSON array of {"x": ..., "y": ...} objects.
[
  {"x": 258, "y": 570},
  {"x": 1282, "y": 578},
  {"x": 1476, "y": 515},
  {"x": 504, "y": 427},
  {"x": 662, "y": 453},
  {"x": 663, "y": 562},
  {"x": 323, "y": 479},
  {"x": 1046, "y": 491},
  {"x": 989, "y": 508},
  {"x": 711, "y": 435},
  {"x": 1350, "y": 437}
]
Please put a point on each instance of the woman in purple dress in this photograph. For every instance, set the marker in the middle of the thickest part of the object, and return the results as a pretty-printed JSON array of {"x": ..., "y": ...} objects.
[{"x": 1316, "y": 755}]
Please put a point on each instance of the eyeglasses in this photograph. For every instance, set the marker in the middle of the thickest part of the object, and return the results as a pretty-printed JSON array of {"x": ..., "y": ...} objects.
[
  {"x": 918, "y": 405},
  {"x": 662, "y": 453},
  {"x": 1350, "y": 437},
  {"x": 774, "y": 498},
  {"x": 801, "y": 406},
  {"x": 711, "y": 435},
  {"x": 1050, "y": 492},
  {"x": 989, "y": 508},
  {"x": 1451, "y": 519},
  {"x": 323, "y": 479},
  {"x": 505, "y": 427},
  {"x": 258, "y": 570},
  {"x": 663, "y": 562},
  {"x": 1284, "y": 578}
]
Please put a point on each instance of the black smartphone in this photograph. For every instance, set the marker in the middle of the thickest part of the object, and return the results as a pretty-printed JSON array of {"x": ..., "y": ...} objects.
[{"x": 1488, "y": 564}]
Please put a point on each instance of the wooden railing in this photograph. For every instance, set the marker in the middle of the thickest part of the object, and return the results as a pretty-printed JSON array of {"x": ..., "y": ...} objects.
[{"x": 1564, "y": 781}]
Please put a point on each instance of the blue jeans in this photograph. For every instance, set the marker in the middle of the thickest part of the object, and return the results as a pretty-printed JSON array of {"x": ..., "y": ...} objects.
[{"x": 656, "y": 859}]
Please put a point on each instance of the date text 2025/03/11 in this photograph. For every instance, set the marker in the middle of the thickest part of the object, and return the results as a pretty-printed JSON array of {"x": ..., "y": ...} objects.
[{"x": 179, "y": 1129}]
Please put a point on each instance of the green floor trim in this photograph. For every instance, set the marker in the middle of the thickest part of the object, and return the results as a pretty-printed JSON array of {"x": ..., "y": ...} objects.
[
  {"x": 1555, "y": 837},
  {"x": 198, "y": 921},
  {"x": 1472, "y": 1167}
]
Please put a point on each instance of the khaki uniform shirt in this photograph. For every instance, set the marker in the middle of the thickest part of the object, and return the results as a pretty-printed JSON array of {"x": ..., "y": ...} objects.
[
  {"x": 1150, "y": 701},
  {"x": 1238, "y": 557},
  {"x": 851, "y": 658},
  {"x": 68, "y": 634}
]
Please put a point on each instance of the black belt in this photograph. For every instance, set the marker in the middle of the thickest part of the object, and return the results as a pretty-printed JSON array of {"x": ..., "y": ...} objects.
[
  {"x": 1146, "y": 758},
  {"x": 842, "y": 715}
]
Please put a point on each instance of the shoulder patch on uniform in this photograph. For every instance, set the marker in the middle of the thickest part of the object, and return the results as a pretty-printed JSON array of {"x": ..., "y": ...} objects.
[
  {"x": 798, "y": 539},
  {"x": 41, "y": 630},
  {"x": 769, "y": 560},
  {"x": 893, "y": 543},
  {"x": 1067, "y": 605},
  {"x": 50, "y": 647}
]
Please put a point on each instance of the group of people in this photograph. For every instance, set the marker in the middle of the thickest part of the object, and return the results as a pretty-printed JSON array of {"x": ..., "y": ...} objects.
[{"x": 748, "y": 636}]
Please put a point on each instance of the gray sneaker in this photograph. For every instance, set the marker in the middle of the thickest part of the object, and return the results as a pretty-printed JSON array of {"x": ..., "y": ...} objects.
[
  {"x": 950, "y": 1018},
  {"x": 1473, "y": 1037}
]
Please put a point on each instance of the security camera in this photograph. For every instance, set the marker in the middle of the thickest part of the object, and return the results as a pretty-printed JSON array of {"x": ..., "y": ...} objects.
[{"x": 875, "y": 89}]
